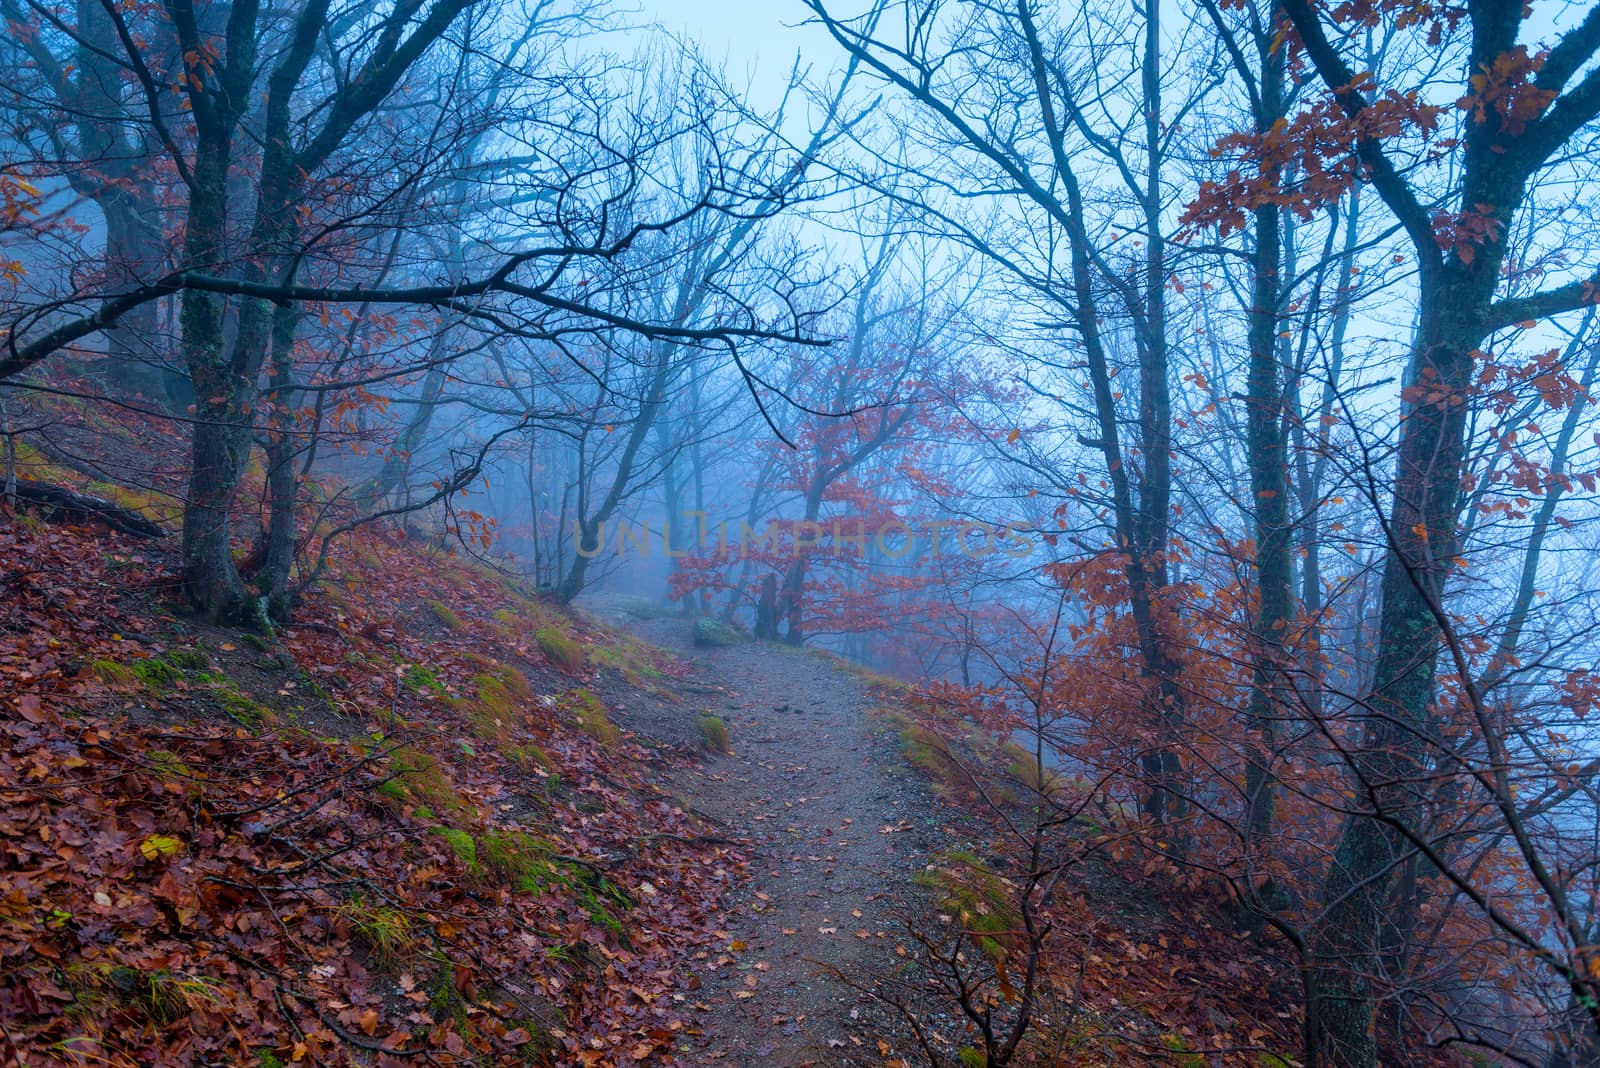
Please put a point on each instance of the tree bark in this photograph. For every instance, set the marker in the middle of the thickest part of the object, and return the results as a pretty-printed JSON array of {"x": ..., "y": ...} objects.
[
  {"x": 283, "y": 486},
  {"x": 1389, "y": 762},
  {"x": 1269, "y": 481}
]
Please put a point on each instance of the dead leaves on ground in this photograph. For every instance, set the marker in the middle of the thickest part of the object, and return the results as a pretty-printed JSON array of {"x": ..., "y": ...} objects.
[{"x": 182, "y": 891}]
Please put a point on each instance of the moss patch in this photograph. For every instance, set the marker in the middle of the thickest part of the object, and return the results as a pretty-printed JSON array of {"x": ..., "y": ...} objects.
[
  {"x": 560, "y": 650},
  {"x": 713, "y": 733},
  {"x": 709, "y": 633},
  {"x": 521, "y": 860},
  {"x": 445, "y": 615},
  {"x": 191, "y": 658},
  {"x": 1023, "y": 768},
  {"x": 495, "y": 709},
  {"x": 420, "y": 679},
  {"x": 152, "y": 504},
  {"x": 527, "y": 756},
  {"x": 385, "y": 931},
  {"x": 590, "y": 712},
  {"x": 462, "y": 845},
  {"x": 157, "y": 674},
  {"x": 115, "y": 675},
  {"x": 415, "y": 778},
  {"x": 981, "y": 900},
  {"x": 927, "y": 751}
]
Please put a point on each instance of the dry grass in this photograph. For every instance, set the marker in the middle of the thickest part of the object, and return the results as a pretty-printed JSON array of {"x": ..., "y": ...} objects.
[
  {"x": 561, "y": 650},
  {"x": 714, "y": 733}
]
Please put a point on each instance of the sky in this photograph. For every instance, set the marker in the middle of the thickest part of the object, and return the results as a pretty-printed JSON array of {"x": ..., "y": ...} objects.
[{"x": 756, "y": 39}]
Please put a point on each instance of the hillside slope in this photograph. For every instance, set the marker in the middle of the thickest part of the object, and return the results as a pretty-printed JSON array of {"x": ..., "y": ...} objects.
[
  {"x": 443, "y": 821},
  {"x": 407, "y": 825}
]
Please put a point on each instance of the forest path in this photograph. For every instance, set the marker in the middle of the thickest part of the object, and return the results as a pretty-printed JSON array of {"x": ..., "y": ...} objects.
[{"x": 836, "y": 826}]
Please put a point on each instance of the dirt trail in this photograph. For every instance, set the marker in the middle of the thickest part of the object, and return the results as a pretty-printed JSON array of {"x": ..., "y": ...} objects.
[{"x": 837, "y": 827}]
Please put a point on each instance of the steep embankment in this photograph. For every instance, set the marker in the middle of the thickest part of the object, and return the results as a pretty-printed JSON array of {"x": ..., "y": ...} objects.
[{"x": 405, "y": 828}]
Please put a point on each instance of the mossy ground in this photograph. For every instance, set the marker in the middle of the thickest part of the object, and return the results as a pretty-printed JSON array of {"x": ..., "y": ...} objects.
[
  {"x": 713, "y": 733},
  {"x": 561, "y": 650},
  {"x": 590, "y": 714}
]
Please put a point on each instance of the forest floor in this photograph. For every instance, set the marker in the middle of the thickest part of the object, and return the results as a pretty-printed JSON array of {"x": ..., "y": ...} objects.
[
  {"x": 835, "y": 827},
  {"x": 443, "y": 820}
]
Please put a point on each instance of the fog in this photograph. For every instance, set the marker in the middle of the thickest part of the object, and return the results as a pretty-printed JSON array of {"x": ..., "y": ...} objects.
[{"x": 1120, "y": 376}]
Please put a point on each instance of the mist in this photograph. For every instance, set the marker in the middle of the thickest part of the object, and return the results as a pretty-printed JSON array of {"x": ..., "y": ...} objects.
[{"x": 1193, "y": 404}]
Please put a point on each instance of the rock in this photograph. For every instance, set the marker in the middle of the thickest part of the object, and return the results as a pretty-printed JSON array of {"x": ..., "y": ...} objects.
[{"x": 708, "y": 633}]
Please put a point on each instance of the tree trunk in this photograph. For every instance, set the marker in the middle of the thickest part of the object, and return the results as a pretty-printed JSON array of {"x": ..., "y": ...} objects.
[
  {"x": 791, "y": 599},
  {"x": 133, "y": 255},
  {"x": 590, "y": 528},
  {"x": 1310, "y": 473},
  {"x": 586, "y": 545},
  {"x": 767, "y": 609},
  {"x": 397, "y": 465},
  {"x": 223, "y": 401},
  {"x": 282, "y": 484},
  {"x": 1269, "y": 481},
  {"x": 1389, "y": 760}
]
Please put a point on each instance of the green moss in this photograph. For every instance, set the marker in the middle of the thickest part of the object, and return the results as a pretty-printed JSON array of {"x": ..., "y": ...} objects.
[
  {"x": 521, "y": 860},
  {"x": 415, "y": 778},
  {"x": 189, "y": 659},
  {"x": 531, "y": 864},
  {"x": 494, "y": 696},
  {"x": 633, "y": 660},
  {"x": 462, "y": 845},
  {"x": 495, "y": 708},
  {"x": 1023, "y": 768},
  {"x": 591, "y": 716},
  {"x": 419, "y": 678},
  {"x": 309, "y": 684},
  {"x": 156, "y": 674},
  {"x": 239, "y": 706},
  {"x": 31, "y": 463},
  {"x": 710, "y": 633},
  {"x": 1185, "y": 1057},
  {"x": 115, "y": 675},
  {"x": 527, "y": 756},
  {"x": 540, "y": 1045},
  {"x": 515, "y": 682},
  {"x": 982, "y": 901},
  {"x": 713, "y": 733},
  {"x": 927, "y": 751},
  {"x": 560, "y": 650},
  {"x": 600, "y": 897},
  {"x": 256, "y": 642},
  {"x": 445, "y": 1002},
  {"x": 244, "y": 709},
  {"x": 507, "y": 622},
  {"x": 875, "y": 681},
  {"x": 188, "y": 665},
  {"x": 162, "y": 996},
  {"x": 444, "y": 614},
  {"x": 150, "y": 503},
  {"x": 168, "y": 764}
]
